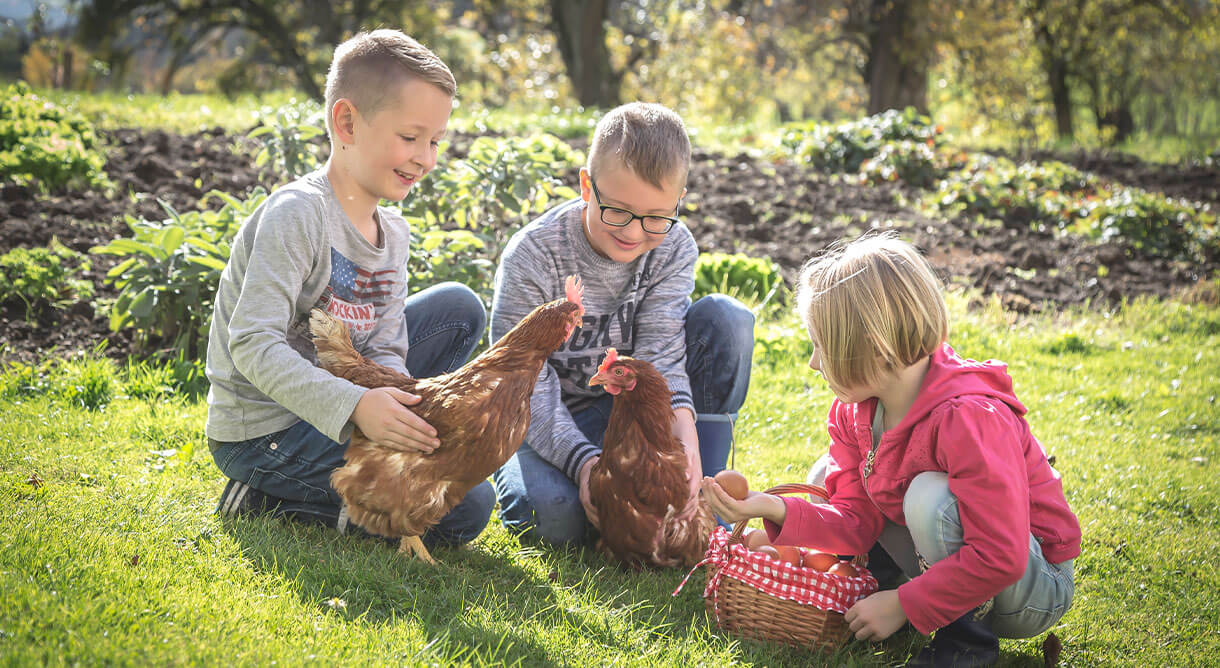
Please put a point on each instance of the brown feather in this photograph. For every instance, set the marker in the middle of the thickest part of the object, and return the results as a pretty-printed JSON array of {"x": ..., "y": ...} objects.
[
  {"x": 480, "y": 413},
  {"x": 639, "y": 484}
]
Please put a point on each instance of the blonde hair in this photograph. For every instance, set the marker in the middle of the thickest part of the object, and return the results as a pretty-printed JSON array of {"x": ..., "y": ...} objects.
[
  {"x": 648, "y": 139},
  {"x": 365, "y": 67},
  {"x": 872, "y": 307}
]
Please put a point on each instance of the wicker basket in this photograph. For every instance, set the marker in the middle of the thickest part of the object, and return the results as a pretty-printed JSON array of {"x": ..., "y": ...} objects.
[{"x": 736, "y": 599}]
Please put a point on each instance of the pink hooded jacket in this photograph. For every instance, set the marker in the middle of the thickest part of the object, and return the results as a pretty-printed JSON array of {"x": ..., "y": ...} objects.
[{"x": 967, "y": 423}]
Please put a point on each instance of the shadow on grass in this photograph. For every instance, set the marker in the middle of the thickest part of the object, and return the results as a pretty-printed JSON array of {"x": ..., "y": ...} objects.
[{"x": 478, "y": 603}]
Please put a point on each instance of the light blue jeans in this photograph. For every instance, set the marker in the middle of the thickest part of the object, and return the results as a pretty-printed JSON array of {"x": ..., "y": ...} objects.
[
  {"x": 537, "y": 497},
  {"x": 934, "y": 531}
]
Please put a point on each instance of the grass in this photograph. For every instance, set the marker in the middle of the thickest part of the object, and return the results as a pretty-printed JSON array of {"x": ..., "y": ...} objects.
[{"x": 110, "y": 553}]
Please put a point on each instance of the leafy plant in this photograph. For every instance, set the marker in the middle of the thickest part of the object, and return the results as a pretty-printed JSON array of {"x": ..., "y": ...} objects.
[
  {"x": 288, "y": 151},
  {"x": 170, "y": 269},
  {"x": 86, "y": 380},
  {"x": 148, "y": 379},
  {"x": 1056, "y": 196},
  {"x": 737, "y": 275},
  {"x": 39, "y": 276},
  {"x": 845, "y": 147},
  {"x": 468, "y": 209},
  {"x": 43, "y": 145}
]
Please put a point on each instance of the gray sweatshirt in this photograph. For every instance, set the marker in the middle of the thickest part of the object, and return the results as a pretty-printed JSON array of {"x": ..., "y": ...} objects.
[
  {"x": 297, "y": 251},
  {"x": 639, "y": 308}
]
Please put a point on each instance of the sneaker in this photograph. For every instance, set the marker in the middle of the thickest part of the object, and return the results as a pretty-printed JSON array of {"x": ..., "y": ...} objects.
[{"x": 238, "y": 498}]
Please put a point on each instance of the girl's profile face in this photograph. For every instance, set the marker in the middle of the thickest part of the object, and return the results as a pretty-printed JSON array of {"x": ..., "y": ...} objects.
[{"x": 847, "y": 395}]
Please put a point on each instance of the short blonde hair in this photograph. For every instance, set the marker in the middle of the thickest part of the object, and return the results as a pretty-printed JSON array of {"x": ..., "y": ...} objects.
[
  {"x": 365, "y": 67},
  {"x": 648, "y": 139},
  {"x": 872, "y": 307}
]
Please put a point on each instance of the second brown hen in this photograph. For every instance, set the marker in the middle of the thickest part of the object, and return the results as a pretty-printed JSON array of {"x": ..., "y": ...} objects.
[
  {"x": 639, "y": 483},
  {"x": 481, "y": 414}
]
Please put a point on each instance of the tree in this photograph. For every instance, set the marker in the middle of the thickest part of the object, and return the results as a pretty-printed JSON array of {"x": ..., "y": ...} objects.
[
  {"x": 580, "y": 30},
  {"x": 297, "y": 35},
  {"x": 897, "y": 41}
]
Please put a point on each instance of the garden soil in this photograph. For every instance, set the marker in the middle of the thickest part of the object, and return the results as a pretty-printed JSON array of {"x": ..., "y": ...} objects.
[{"x": 738, "y": 203}]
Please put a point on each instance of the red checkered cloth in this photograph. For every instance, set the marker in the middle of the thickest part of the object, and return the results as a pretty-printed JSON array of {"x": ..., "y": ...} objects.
[{"x": 778, "y": 578}]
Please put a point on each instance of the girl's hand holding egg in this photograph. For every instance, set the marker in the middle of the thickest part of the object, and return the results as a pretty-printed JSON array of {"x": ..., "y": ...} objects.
[{"x": 729, "y": 496}]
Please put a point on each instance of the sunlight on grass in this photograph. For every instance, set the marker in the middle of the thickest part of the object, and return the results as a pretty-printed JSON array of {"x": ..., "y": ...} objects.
[{"x": 111, "y": 554}]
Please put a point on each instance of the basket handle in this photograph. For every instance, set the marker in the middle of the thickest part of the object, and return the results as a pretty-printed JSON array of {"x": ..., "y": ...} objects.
[{"x": 791, "y": 488}]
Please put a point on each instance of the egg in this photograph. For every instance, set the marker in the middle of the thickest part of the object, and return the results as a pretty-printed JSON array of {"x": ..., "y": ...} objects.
[
  {"x": 733, "y": 483},
  {"x": 756, "y": 538},
  {"x": 843, "y": 568},
  {"x": 768, "y": 550},
  {"x": 789, "y": 554},
  {"x": 819, "y": 561}
]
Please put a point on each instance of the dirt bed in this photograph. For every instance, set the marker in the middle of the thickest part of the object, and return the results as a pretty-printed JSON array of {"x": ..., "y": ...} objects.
[{"x": 741, "y": 204}]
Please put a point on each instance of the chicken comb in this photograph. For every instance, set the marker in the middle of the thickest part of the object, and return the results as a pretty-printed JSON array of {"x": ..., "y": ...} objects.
[
  {"x": 573, "y": 289},
  {"x": 611, "y": 358}
]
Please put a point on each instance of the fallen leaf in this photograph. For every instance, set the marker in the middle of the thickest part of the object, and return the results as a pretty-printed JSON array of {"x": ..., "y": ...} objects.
[{"x": 1051, "y": 647}]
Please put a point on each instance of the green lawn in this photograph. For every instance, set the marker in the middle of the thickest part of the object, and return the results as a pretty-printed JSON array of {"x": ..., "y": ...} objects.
[{"x": 109, "y": 552}]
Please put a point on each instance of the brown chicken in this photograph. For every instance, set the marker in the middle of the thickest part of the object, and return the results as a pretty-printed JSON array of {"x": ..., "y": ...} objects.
[
  {"x": 481, "y": 413},
  {"x": 639, "y": 484}
]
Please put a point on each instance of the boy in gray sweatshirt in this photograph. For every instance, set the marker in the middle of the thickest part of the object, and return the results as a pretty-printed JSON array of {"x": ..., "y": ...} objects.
[
  {"x": 623, "y": 237},
  {"x": 277, "y": 423}
]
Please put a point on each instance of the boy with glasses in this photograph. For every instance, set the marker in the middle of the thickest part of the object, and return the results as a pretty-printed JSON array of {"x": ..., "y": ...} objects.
[{"x": 637, "y": 258}]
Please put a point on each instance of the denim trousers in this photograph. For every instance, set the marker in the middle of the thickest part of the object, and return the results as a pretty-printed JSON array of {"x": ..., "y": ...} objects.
[
  {"x": 538, "y": 498},
  {"x": 445, "y": 323},
  {"x": 934, "y": 531}
]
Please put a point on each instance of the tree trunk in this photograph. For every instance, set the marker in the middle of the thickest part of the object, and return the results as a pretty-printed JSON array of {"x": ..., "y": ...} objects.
[
  {"x": 898, "y": 59},
  {"x": 580, "y": 30},
  {"x": 1056, "y": 78}
]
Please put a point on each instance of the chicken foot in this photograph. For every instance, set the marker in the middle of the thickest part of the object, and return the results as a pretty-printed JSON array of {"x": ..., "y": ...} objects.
[{"x": 413, "y": 546}]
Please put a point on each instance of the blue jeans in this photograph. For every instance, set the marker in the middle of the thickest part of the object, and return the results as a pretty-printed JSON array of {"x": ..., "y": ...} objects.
[
  {"x": 934, "y": 531},
  {"x": 536, "y": 496},
  {"x": 445, "y": 323}
]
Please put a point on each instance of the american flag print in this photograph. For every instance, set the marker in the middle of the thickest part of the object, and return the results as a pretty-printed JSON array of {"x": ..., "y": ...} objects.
[{"x": 357, "y": 293}]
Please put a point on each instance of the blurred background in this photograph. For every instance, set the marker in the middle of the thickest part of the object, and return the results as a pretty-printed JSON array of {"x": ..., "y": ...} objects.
[{"x": 1135, "y": 74}]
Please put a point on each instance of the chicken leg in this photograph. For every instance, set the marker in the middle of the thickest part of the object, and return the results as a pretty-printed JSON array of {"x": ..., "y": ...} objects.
[{"x": 413, "y": 546}]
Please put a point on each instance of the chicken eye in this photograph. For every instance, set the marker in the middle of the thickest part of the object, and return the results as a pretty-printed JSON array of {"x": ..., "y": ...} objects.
[{"x": 618, "y": 372}]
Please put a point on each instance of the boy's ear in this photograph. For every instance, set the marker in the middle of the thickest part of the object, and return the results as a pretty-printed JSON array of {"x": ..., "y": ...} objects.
[
  {"x": 343, "y": 120},
  {"x": 586, "y": 187}
]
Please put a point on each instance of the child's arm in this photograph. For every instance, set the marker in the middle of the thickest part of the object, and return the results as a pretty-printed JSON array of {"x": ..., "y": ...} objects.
[
  {"x": 848, "y": 524},
  {"x": 277, "y": 264},
  {"x": 978, "y": 445}
]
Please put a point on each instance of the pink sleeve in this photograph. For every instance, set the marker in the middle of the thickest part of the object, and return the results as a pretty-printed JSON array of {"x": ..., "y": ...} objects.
[
  {"x": 977, "y": 442},
  {"x": 850, "y": 523}
]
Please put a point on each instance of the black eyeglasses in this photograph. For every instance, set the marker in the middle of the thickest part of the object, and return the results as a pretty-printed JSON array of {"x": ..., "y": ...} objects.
[{"x": 612, "y": 215}]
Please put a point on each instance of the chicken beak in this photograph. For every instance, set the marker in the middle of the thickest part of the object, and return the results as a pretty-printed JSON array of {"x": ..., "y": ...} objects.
[{"x": 596, "y": 380}]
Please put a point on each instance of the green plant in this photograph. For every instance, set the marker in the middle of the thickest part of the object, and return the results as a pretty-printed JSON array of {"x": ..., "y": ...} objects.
[
  {"x": 45, "y": 146},
  {"x": 736, "y": 275},
  {"x": 170, "y": 269},
  {"x": 86, "y": 380},
  {"x": 846, "y": 146},
  {"x": 39, "y": 276},
  {"x": 288, "y": 151},
  {"x": 468, "y": 208},
  {"x": 150, "y": 379}
]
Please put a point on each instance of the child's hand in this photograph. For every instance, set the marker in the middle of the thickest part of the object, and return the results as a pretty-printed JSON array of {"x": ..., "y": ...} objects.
[
  {"x": 756, "y": 504},
  {"x": 583, "y": 492},
  {"x": 382, "y": 416},
  {"x": 876, "y": 617}
]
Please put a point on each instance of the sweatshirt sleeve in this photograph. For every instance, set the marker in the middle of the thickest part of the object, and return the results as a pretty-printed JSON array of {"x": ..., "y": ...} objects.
[
  {"x": 977, "y": 444},
  {"x": 525, "y": 279},
  {"x": 850, "y": 522},
  {"x": 660, "y": 323},
  {"x": 281, "y": 257}
]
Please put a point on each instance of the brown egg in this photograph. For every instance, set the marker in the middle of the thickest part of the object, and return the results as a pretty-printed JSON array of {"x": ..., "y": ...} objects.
[
  {"x": 768, "y": 550},
  {"x": 789, "y": 554},
  {"x": 819, "y": 561},
  {"x": 843, "y": 568},
  {"x": 734, "y": 483},
  {"x": 756, "y": 538}
]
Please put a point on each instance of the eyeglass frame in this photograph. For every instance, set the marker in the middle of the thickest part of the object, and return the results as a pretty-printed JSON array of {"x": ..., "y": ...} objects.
[{"x": 670, "y": 220}]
